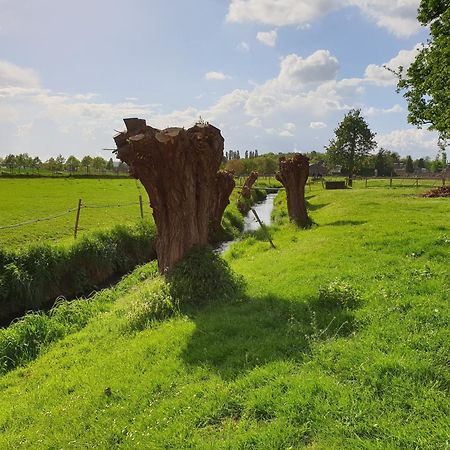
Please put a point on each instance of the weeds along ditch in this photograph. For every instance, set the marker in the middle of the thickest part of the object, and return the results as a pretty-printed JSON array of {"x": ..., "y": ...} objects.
[{"x": 33, "y": 277}]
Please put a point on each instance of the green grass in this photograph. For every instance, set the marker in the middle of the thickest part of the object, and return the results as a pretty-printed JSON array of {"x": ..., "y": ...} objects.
[
  {"x": 340, "y": 341},
  {"x": 26, "y": 199}
]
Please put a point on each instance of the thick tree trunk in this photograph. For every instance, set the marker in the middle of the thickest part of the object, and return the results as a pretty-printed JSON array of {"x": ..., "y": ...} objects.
[
  {"x": 179, "y": 170},
  {"x": 224, "y": 187},
  {"x": 293, "y": 174},
  {"x": 246, "y": 192}
]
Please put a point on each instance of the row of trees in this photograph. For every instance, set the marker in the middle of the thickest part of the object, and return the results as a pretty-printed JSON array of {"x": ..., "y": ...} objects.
[
  {"x": 232, "y": 155},
  {"x": 88, "y": 164}
]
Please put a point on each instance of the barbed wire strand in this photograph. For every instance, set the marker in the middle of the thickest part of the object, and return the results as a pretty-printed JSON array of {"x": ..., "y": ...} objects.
[{"x": 29, "y": 222}]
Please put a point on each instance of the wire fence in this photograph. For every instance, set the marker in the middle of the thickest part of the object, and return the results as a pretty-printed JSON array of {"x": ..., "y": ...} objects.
[
  {"x": 78, "y": 211},
  {"x": 399, "y": 181}
]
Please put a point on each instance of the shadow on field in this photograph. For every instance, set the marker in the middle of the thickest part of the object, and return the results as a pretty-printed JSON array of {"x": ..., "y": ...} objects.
[
  {"x": 338, "y": 223},
  {"x": 233, "y": 337},
  {"x": 311, "y": 207},
  {"x": 235, "y": 333}
]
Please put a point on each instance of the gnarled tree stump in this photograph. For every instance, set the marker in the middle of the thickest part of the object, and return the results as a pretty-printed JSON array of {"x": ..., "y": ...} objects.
[
  {"x": 293, "y": 174},
  {"x": 179, "y": 170},
  {"x": 243, "y": 206}
]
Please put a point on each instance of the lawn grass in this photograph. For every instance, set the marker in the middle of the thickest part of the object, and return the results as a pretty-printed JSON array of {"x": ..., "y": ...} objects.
[
  {"x": 27, "y": 199},
  {"x": 340, "y": 341}
]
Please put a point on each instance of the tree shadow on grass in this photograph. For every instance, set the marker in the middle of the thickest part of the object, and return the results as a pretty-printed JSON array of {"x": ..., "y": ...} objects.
[
  {"x": 236, "y": 336},
  {"x": 338, "y": 223},
  {"x": 235, "y": 333},
  {"x": 311, "y": 207}
]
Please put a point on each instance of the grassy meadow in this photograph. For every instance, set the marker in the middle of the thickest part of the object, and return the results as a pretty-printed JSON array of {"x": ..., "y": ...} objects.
[
  {"x": 338, "y": 339},
  {"x": 28, "y": 198}
]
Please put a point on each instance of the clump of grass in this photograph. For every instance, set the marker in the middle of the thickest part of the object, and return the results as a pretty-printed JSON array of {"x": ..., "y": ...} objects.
[
  {"x": 154, "y": 303},
  {"x": 39, "y": 274},
  {"x": 202, "y": 277},
  {"x": 339, "y": 293}
]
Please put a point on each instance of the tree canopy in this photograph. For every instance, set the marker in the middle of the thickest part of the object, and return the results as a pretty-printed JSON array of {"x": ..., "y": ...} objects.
[
  {"x": 353, "y": 141},
  {"x": 426, "y": 83}
]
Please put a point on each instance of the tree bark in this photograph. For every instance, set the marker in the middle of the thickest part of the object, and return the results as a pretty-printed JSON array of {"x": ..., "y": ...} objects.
[
  {"x": 293, "y": 174},
  {"x": 243, "y": 206},
  {"x": 179, "y": 170}
]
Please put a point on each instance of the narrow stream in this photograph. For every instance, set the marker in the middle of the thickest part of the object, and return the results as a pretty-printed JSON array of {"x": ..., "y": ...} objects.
[{"x": 264, "y": 211}]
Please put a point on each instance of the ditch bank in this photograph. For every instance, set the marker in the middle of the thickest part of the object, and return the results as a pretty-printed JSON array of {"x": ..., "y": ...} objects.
[{"x": 33, "y": 278}]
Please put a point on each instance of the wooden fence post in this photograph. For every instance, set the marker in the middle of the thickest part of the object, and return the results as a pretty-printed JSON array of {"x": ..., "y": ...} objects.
[
  {"x": 417, "y": 181},
  {"x": 141, "y": 206},
  {"x": 77, "y": 219},
  {"x": 390, "y": 182},
  {"x": 443, "y": 181},
  {"x": 366, "y": 182},
  {"x": 263, "y": 227}
]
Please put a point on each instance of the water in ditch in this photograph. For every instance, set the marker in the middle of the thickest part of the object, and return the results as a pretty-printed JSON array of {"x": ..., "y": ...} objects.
[{"x": 264, "y": 211}]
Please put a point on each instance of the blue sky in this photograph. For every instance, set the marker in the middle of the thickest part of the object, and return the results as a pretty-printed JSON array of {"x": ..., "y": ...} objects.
[{"x": 273, "y": 75}]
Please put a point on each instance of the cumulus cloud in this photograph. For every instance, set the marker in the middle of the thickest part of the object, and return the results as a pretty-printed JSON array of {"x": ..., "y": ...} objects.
[
  {"x": 372, "y": 111},
  {"x": 12, "y": 75},
  {"x": 414, "y": 141},
  {"x": 397, "y": 16},
  {"x": 280, "y": 12},
  {"x": 217, "y": 76},
  {"x": 317, "y": 125},
  {"x": 267, "y": 37},
  {"x": 379, "y": 75}
]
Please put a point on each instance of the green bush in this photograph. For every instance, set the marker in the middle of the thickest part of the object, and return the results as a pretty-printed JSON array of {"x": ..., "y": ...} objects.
[
  {"x": 203, "y": 276},
  {"x": 339, "y": 293},
  {"x": 153, "y": 303}
]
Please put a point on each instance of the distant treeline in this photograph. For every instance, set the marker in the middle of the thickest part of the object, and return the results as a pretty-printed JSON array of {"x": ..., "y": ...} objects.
[
  {"x": 23, "y": 163},
  {"x": 382, "y": 163}
]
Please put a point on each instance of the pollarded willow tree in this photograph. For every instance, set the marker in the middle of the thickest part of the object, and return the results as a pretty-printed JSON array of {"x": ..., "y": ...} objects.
[
  {"x": 293, "y": 174},
  {"x": 180, "y": 171},
  {"x": 354, "y": 140}
]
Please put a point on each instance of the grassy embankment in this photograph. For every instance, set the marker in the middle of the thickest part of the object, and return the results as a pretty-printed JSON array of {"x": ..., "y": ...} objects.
[
  {"x": 37, "y": 274},
  {"x": 339, "y": 341}
]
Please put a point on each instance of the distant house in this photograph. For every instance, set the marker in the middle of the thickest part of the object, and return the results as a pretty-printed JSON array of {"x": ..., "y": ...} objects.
[{"x": 318, "y": 170}]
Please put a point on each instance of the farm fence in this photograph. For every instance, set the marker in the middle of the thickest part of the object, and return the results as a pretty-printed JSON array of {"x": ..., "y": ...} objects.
[{"x": 78, "y": 209}]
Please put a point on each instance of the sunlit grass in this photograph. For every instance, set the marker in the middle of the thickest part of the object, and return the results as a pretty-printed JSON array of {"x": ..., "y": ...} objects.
[{"x": 340, "y": 341}]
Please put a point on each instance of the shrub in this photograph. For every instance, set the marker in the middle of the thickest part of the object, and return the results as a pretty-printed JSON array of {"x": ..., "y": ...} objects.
[
  {"x": 339, "y": 293},
  {"x": 153, "y": 303},
  {"x": 203, "y": 276}
]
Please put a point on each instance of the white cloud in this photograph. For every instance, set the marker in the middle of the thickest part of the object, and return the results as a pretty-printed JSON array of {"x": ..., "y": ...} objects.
[
  {"x": 413, "y": 141},
  {"x": 267, "y": 37},
  {"x": 279, "y": 12},
  {"x": 255, "y": 122},
  {"x": 372, "y": 111},
  {"x": 217, "y": 76},
  {"x": 243, "y": 47},
  {"x": 397, "y": 16},
  {"x": 317, "y": 125},
  {"x": 12, "y": 75},
  {"x": 317, "y": 67},
  {"x": 381, "y": 76}
]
